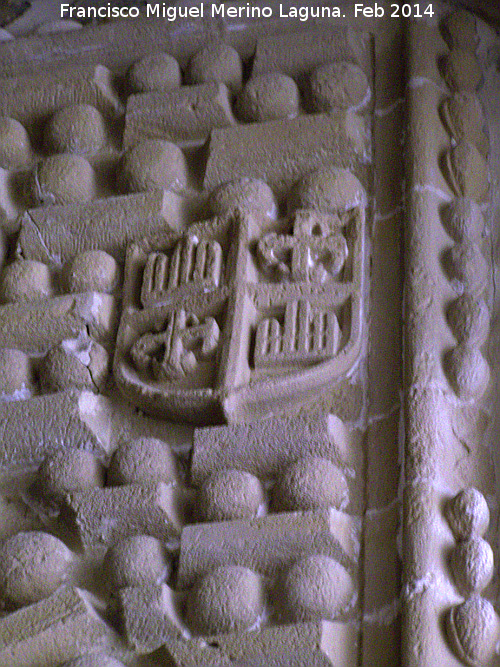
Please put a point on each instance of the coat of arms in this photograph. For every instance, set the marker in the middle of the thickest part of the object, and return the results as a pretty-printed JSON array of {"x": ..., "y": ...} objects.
[{"x": 238, "y": 315}]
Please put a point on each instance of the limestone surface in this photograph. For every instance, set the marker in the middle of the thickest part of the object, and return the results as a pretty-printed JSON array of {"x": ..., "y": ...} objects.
[
  {"x": 467, "y": 171},
  {"x": 63, "y": 179},
  {"x": 139, "y": 560},
  {"x": 142, "y": 461},
  {"x": 92, "y": 271},
  {"x": 53, "y": 631},
  {"x": 16, "y": 375},
  {"x": 338, "y": 85},
  {"x": 150, "y": 616},
  {"x": 466, "y": 263},
  {"x": 267, "y": 544},
  {"x": 249, "y": 194},
  {"x": 70, "y": 470},
  {"x": 15, "y": 144},
  {"x": 310, "y": 483},
  {"x": 32, "y": 430},
  {"x": 25, "y": 280},
  {"x": 472, "y": 565},
  {"x": 101, "y": 517},
  {"x": 468, "y": 514},
  {"x": 94, "y": 660},
  {"x": 268, "y": 97},
  {"x": 317, "y": 587},
  {"x": 32, "y": 566},
  {"x": 461, "y": 70},
  {"x": 464, "y": 119},
  {"x": 216, "y": 62},
  {"x": 58, "y": 233},
  {"x": 157, "y": 72},
  {"x": 328, "y": 190},
  {"x": 79, "y": 129},
  {"x": 229, "y": 599},
  {"x": 252, "y": 150},
  {"x": 468, "y": 371},
  {"x": 37, "y": 326},
  {"x": 37, "y": 96},
  {"x": 469, "y": 319},
  {"x": 153, "y": 164},
  {"x": 473, "y": 630},
  {"x": 248, "y": 338},
  {"x": 229, "y": 495},
  {"x": 184, "y": 116},
  {"x": 77, "y": 365},
  {"x": 460, "y": 30},
  {"x": 464, "y": 220}
]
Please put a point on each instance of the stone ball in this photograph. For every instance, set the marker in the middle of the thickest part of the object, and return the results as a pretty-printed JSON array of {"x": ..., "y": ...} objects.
[
  {"x": 466, "y": 263},
  {"x": 269, "y": 96},
  {"x": 310, "y": 483},
  {"x": 468, "y": 514},
  {"x": 217, "y": 62},
  {"x": 469, "y": 319},
  {"x": 230, "y": 495},
  {"x": 66, "y": 366},
  {"x": 69, "y": 470},
  {"x": 317, "y": 587},
  {"x": 461, "y": 70},
  {"x": 79, "y": 128},
  {"x": 94, "y": 660},
  {"x": 338, "y": 85},
  {"x": 463, "y": 220},
  {"x": 25, "y": 281},
  {"x": 472, "y": 564},
  {"x": 247, "y": 194},
  {"x": 15, "y": 145},
  {"x": 153, "y": 164},
  {"x": 467, "y": 171},
  {"x": 63, "y": 179},
  {"x": 472, "y": 628},
  {"x": 91, "y": 271},
  {"x": 142, "y": 461},
  {"x": 229, "y": 599},
  {"x": 137, "y": 561},
  {"x": 32, "y": 566},
  {"x": 459, "y": 30},
  {"x": 159, "y": 71},
  {"x": 16, "y": 375},
  {"x": 329, "y": 190},
  {"x": 464, "y": 119},
  {"x": 468, "y": 371}
]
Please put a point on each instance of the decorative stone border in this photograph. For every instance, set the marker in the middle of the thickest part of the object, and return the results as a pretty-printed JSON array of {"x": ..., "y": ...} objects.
[{"x": 447, "y": 189}]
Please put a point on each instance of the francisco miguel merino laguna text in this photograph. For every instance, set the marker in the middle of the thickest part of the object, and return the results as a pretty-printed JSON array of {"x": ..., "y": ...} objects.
[{"x": 173, "y": 12}]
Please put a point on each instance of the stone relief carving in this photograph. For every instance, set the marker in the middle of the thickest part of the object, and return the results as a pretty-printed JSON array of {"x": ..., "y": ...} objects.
[
  {"x": 174, "y": 352},
  {"x": 217, "y": 319}
]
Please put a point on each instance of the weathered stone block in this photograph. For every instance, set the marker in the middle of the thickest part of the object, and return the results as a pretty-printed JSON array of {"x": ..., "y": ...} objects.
[
  {"x": 33, "y": 429},
  {"x": 270, "y": 445},
  {"x": 281, "y": 151},
  {"x": 52, "y": 631},
  {"x": 149, "y": 616},
  {"x": 269, "y": 543},
  {"x": 32, "y": 99},
  {"x": 185, "y": 115},
  {"x": 299, "y": 53},
  {"x": 321, "y": 644},
  {"x": 39, "y": 326},
  {"x": 101, "y": 517},
  {"x": 57, "y": 233}
]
